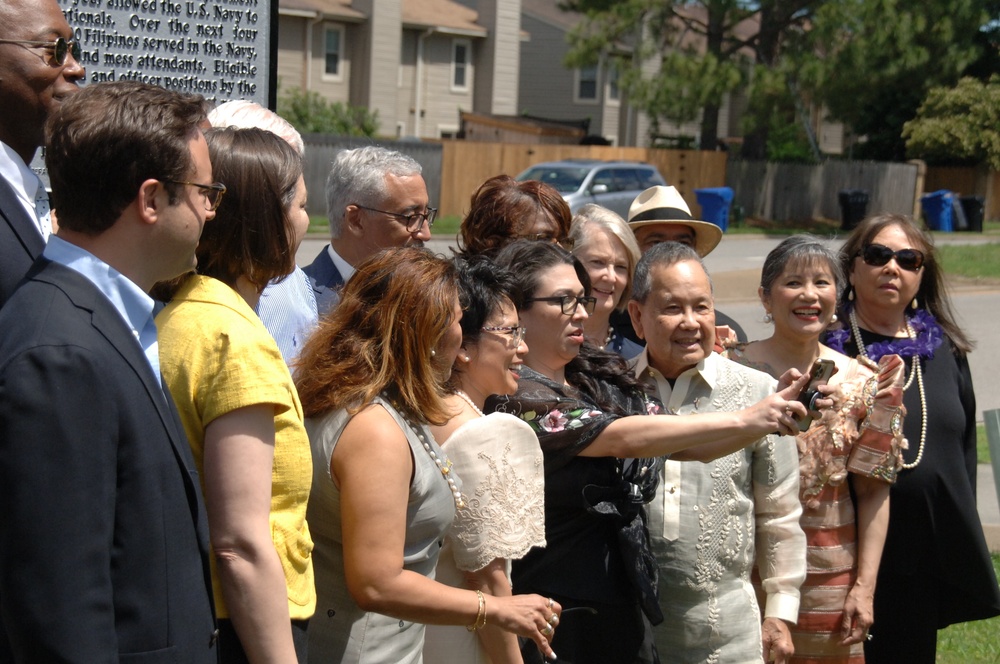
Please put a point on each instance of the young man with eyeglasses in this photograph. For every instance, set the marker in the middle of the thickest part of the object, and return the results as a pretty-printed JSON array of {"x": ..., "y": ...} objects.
[
  {"x": 38, "y": 69},
  {"x": 103, "y": 532},
  {"x": 376, "y": 199}
]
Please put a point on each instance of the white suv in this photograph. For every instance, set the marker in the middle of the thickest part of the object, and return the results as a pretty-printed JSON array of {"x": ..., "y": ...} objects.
[{"x": 613, "y": 184}]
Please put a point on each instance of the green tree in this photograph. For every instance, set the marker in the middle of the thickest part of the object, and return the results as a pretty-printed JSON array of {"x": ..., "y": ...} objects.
[
  {"x": 873, "y": 61},
  {"x": 702, "y": 50},
  {"x": 958, "y": 125},
  {"x": 311, "y": 113}
]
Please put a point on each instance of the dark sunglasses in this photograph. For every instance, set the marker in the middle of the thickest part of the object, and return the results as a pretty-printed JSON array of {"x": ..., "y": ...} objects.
[
  {"x": 60, "y": 48},
  {"x": 878, "y": 255}
]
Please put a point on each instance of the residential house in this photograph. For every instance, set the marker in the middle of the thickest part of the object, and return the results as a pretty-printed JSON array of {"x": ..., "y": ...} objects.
[{"x": 418, "y": 63}]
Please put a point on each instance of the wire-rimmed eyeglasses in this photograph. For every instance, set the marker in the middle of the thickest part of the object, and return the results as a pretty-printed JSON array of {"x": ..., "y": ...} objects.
[
  {"x": 213, "y": 192},
  {"x": 60, "y": 48},
  {"x": 412, "y": 221},
  {"x": 569, "y": 303},
  {"x": 515, "y": 332}
]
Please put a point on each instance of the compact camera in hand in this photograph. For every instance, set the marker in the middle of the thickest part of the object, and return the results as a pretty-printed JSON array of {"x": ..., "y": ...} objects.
[{"x": 820, "y": 373}]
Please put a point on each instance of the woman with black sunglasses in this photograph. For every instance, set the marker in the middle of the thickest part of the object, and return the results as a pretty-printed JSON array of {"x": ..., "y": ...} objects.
[
  {"x": 936, "y": 569},
  {"x": 601, "y": 458}
]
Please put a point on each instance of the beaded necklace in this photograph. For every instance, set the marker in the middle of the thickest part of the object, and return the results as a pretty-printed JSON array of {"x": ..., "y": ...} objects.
[
  {"x": 465, "y": 397},
  {"x": 443, "y": 463},
  {"x": 914, "y": 371}
]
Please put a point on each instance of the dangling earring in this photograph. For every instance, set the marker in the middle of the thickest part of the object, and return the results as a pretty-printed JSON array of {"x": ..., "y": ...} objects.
[
  {"x": 768, "y": 318},
  {"x": 915, "y": 305},
  {"x": 833, "y": 319},
  {"x": 850, "y": 294}
]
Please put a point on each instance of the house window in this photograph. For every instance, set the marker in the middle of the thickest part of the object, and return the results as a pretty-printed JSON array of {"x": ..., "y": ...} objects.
[
  {"x": 332, "y": 45},
  {"x": 461, "y": 54},
  {"x": 586, "y": 84},
  {"x": 613, "y": 92}
]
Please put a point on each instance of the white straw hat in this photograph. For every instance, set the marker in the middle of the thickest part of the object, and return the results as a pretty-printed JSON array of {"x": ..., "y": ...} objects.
[{"x": 665, "y": 206}]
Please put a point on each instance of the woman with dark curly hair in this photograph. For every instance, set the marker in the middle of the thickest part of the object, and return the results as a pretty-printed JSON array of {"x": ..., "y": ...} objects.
[
  {"x": 935, "y": 568},
  {"x": 601, "y": 461},
  {"x": 503, "y": 210}
]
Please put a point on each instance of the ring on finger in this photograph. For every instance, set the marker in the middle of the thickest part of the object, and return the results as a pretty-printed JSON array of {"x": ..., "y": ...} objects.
[
  {"x": 547, "y": 630},
  {"x": 552, "y": 602},
  {"x": 553, "y": 620}
]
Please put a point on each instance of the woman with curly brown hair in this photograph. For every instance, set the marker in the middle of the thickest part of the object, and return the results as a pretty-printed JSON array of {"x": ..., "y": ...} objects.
[{"x": 372, "y": 381}]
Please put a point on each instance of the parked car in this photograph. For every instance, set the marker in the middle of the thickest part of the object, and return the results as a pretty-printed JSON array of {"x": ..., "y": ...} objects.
[{"x": 613, "y": 184}]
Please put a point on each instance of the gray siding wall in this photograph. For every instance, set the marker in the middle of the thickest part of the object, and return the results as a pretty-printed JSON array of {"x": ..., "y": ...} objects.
[
  {"x": 499, "y": 57},
  {"x": 441, "y": 104},
  {"x": 374, "y": 85},
  {"x": 546, "y": 87}
]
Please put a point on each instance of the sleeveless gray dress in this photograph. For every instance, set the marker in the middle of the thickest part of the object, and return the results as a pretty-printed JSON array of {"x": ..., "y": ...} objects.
[{"x": 340, "y": 632}]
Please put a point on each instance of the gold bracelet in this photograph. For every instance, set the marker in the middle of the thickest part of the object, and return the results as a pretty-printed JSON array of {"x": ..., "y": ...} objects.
[{"x": 481, "y": 616}]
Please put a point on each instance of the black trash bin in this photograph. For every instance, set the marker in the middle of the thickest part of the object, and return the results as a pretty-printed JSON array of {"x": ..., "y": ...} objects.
[
  {"x": 853, "y": 208},
  {"x": 975, "y": 209}
]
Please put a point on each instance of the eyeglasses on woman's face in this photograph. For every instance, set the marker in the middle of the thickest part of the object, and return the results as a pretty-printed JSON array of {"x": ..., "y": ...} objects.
[
  {"x": 59, "y": 48},
  {"x": 878, "y": 255},
  {"x": 213, "y": 193},
  {"x": 569, "y": 303},
  {"x": 514, "y": 332}
]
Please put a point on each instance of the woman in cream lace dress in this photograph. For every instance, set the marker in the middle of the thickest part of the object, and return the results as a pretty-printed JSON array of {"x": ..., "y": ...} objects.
[
  {"x": 500, "y": 463},
  {"x": 855, "y": 445}
]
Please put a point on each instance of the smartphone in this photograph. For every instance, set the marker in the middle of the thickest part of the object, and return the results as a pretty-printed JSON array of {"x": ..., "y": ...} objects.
[{"x": 822, "y": 370}]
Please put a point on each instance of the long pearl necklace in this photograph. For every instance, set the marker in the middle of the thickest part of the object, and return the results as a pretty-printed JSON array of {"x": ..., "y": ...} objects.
[
  {"x": 465, "y": 397},
  {"x": 915, "y": 371},
  {"x": 443, "y": 464}
]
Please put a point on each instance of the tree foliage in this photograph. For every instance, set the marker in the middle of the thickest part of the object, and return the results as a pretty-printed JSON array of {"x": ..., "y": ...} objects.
[
  {"x": 873, "y": 61},
  {"x": 679, "y": 58},
  {"x": 958, "y": 125},
  {"x": 311, "y": 113}
]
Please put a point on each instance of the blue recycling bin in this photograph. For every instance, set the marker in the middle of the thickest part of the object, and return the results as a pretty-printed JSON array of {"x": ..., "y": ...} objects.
[
  {"x": 937, "y": 210},
  {"x": 715, "y": 203}
]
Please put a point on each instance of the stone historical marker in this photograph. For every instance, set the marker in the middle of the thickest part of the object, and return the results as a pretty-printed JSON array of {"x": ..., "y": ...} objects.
[{"x": 222, "y": 49}]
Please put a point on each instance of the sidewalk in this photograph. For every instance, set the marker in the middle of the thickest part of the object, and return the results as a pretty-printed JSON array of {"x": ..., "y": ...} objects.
[{"x": 989, "y": 511}]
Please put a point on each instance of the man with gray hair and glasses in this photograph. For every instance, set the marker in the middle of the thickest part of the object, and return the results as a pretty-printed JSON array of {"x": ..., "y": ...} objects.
[{"x": 376, "y": 199}]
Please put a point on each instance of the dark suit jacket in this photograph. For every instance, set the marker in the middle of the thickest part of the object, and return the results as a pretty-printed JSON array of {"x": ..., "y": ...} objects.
[
  {"x": 20, "y": 241},
  {"x": 103, "y": 534},
  {"x": 326, "y": 280}
]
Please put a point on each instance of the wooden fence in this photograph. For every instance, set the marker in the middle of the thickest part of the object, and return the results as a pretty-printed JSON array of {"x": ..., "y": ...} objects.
[
  {"x": 783, "y": 192},
  {"x": 967, "y": 182},
  {"x": 465, "y": 165},
  {"x": 454, "y": 169}
]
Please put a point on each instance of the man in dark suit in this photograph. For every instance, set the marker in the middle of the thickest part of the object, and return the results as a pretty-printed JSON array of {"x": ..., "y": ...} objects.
[
  {"x": 375, "y": 199},
  {"x": 103, "y": 536},
  {"x": 33, "y": 81}
]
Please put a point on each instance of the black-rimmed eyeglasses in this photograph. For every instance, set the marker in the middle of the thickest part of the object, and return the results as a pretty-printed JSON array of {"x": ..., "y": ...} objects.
[
  {"x": 516, "y": 332},
  {"x": 569, "y": 303},
  {"x": 412, "y": 221},
  {"x": 213, "y": 192},
  {"x": 878, "y": 255},
  {"x": 60, "y": 48}
]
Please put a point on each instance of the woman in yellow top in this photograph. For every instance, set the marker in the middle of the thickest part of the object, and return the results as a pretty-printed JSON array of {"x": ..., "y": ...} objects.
[{"x": 237, "y": 401}]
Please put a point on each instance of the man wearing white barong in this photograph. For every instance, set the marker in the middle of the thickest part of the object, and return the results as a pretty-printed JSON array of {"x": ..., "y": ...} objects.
[{"x": 709, "y": 523}]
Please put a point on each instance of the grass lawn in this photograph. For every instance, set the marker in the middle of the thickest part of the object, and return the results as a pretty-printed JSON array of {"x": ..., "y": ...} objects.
[
  {"x": 971, "y": 643},
  {"x": 974, "y": 261}
]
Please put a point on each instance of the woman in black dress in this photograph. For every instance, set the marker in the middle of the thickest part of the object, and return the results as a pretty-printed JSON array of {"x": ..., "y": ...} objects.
[
  {"x": 601, "y": 461},
  {"x": 935, "y": 568}
]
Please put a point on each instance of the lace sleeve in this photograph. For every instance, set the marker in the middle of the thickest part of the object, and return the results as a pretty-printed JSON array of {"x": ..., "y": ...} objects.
[{"x": 500, "y": 463}]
